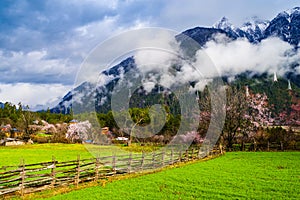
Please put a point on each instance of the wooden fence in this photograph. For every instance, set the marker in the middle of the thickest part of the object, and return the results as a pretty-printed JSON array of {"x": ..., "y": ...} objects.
[
  {"x": 28, "y": 178},
  {"x": 268, "y": 146}
]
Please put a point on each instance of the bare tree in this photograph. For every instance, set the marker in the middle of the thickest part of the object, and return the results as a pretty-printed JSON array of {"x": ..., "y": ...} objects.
[{"x": 237, "y": 116}]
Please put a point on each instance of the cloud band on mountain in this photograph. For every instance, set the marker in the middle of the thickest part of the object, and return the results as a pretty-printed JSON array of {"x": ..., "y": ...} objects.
[{"x": 239, "y": 56}]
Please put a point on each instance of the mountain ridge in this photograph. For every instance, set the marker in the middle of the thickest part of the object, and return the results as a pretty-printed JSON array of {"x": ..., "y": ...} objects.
[{"x": 286, "y": 26}]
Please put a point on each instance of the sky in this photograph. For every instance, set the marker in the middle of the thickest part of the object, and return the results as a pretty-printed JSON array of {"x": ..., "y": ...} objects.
[{"x": 43, "y": 43}]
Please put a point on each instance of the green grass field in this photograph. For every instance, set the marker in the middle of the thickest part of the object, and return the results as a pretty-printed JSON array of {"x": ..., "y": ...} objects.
[
  {"x": 35, "y": 153},
  {"x": 241, "y": 175}
]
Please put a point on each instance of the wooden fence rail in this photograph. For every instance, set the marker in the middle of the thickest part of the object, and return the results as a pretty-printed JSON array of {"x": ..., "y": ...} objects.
[
  {"x": 27, "y": 178},
  {"x": 267, "y": 146}
]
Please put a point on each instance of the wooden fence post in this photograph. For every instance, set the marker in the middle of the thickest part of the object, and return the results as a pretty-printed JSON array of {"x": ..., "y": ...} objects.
[
  {"x": 186, "y": 155},
  {"x": 199, "y": 153},
  {"x": 180, "y": 155},
  {"x": 221, "y": 148},
  {"x": 114, "y": 167},
  {"x": 172, "y": 153},
  {"x": 143, "y": 160},
  {"x": 77, "y": 177},
  {"x": 193, "y": 151},
  {"x": 53, "y": 173},
  {"x": 153, "y": 158},
  {"x": 281, "y": 145},
  {"x": 22, "y": 173},
  {"x": 243, "y": 146},
  {"x": 163, "y": 158},
  {"x": 97, "y": 164},
  {"x": 205, "y": 149},
  {"x": 129, "y": 162}
]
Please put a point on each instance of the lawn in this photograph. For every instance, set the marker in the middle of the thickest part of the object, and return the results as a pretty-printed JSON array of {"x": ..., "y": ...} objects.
[
  {"x": 241, "y": 175},
  {"x": 35, "y": 153}
]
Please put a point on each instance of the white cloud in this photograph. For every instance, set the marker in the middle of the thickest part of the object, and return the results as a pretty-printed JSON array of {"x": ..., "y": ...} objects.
[
  {"x": 220, "y": 57},
  {"x": 33, "y": 95},
  {"x": 108, "y": 4},
  {"x": 271, "y": 55},
  {"x": 34, "y": 66},
  {"x": 298, "y": 69},
  {"x": 159, "y": 63},
  {"x": 47, "y": 42},
  {"x": 55, "y": 65}
]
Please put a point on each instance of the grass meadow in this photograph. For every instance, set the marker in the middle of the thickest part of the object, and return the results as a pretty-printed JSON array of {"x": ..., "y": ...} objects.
[
  {"x": 236, "y": 175},
  {"x": 12, "y": 155}
]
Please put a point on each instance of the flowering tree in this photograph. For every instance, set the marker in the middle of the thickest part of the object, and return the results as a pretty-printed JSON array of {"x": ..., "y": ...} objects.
[
  {"x": 79, "y": 131},
  {"x": 259, "y": 111},
  {"x": 49, "y": 128},
  {"x": 188, "y": 138},
  {"x": 295, "y": 115},
  {"x": 245, "y": 113}
]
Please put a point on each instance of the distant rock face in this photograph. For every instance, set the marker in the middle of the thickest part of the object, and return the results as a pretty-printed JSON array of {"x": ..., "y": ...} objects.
[
  {"x": 226, "y": 26},
  {"x": 254, "y": 31},
  {"x": 286, "y": 25},
  {"x": 203, "y": 35},
  {"x": 88, "y": 93}
]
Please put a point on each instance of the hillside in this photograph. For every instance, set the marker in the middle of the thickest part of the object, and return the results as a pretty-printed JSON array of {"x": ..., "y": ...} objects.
[{"x": 88, "y": 97}]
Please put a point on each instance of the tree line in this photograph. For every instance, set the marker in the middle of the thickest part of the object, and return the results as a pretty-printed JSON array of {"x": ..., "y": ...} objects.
[
  {"x": 19, "y": 118},
  {"x": 249, "y": 118}
]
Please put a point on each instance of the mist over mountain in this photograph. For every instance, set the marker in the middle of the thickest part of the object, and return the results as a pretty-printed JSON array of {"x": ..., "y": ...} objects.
[{"x": 256, "y": 50}]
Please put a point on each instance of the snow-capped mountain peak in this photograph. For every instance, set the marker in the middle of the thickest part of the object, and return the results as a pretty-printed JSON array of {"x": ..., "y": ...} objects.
[
  {"x": 254, "y": 29},
  {"x": 286, "y": 25},
  {"x": 224, "y": 24},
  {"x": 292, "y": 11},
  {"x": 288, "y": 14},
  {"x": 253, "y": 25}
]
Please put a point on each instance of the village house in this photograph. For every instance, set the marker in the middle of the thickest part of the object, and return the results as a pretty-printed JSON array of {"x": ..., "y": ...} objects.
[
  {"x": 7, "y": 131},
  {"x": 14, "y": 142}
]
